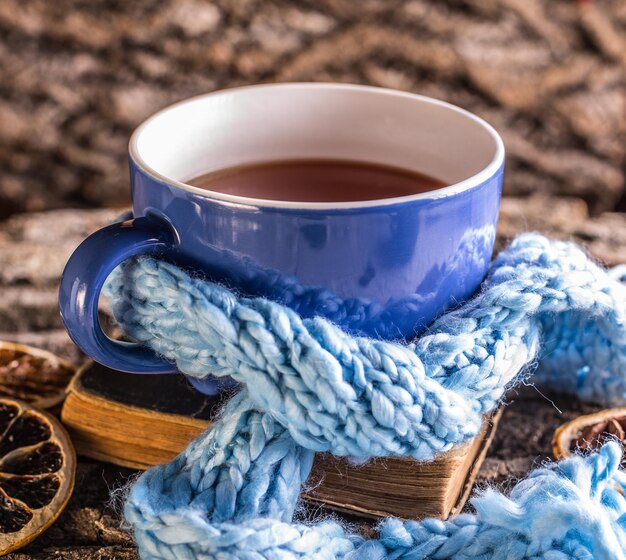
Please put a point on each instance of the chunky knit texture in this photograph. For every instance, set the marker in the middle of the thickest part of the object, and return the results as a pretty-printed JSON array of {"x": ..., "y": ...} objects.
[{"x": 308, "y": 386}]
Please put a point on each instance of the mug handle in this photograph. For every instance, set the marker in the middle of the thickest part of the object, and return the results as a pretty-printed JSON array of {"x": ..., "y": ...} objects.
[{"x": 83, "y": 278}]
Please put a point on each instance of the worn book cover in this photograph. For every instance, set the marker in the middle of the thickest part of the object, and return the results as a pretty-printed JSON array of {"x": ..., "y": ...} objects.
[{"x": 143, "y": 420}]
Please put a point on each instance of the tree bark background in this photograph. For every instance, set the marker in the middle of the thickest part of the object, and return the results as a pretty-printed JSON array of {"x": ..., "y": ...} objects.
[{"x": 76, "y": 77}]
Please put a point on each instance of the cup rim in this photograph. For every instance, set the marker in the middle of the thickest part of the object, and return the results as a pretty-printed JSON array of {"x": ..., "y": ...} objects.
[{"x": 468, "y": 183}]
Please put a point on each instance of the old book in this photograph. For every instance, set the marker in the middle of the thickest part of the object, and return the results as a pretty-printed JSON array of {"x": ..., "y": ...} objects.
[{"x": 143, "y": 420}]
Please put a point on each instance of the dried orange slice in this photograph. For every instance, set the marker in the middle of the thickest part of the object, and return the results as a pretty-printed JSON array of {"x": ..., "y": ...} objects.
[
  {"x": 589, "y": 432},
  {"x": 37, "y": 470},
  {"x": 32, "y": 375}
]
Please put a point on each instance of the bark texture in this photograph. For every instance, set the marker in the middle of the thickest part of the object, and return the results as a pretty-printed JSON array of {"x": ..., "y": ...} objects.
[{"x": 76, "y": 77}]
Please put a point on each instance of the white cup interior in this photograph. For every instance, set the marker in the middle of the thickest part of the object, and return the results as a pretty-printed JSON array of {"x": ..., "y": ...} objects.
[{"x": 317, "y": 121}]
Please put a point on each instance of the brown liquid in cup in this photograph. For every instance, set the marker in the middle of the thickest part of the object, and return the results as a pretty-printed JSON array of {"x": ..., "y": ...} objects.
[{"x": 317, "y": 181}]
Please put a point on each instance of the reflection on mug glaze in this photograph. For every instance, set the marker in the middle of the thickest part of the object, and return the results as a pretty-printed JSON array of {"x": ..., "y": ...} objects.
[{"x": 362, "y": 316}]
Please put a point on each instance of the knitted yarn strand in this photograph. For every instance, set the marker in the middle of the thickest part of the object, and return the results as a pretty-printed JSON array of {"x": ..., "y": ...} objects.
[
  {"x": 199, "y": 507},
  {"x": 311, "y": 387},
  {"x": 361, "y": 397}
]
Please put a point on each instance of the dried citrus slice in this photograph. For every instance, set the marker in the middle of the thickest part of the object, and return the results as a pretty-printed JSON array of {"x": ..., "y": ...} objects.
[
  {"x": 589, "y": 432},
  {"x": 32, "y": 375},
  {"x": 37, "y": 469}
]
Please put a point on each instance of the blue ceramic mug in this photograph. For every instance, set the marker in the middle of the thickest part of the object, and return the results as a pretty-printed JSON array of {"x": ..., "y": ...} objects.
[{"x": 382, "y": 268}]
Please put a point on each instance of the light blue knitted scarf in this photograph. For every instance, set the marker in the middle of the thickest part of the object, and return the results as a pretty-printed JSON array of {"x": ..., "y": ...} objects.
[{"x": 308, "y": 386}]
